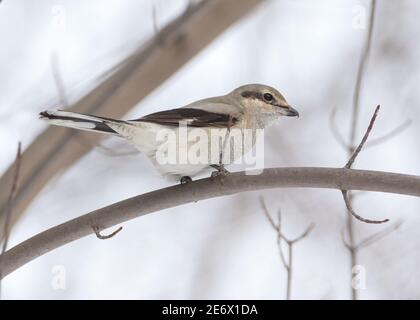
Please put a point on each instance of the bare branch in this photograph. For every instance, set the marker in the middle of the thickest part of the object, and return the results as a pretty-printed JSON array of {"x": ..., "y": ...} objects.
[
  {"x": 365, "y": 137},
  {"x": 360, "y": 74},
  {"x": 58, "y": 80},
  {"x": 378, "y": 235},
  {"x": 304, "y": 234},
  {"x": 336, "y": 132},
  {"x": 393, "y": 133},
  {"x": 155, "y": 19},
  {"x": 343, "y": 239},
  {"x": 288, "y": 264},
  {"x": 98, "y": 234},
  {"x": 267, "y": 213},
  {"x": 349, "y": 165},
  {"x": 373, "y": 141},
  {"x": 353, "y": 130},
  {"x": 117, "y": 213},
  {"x": 354, "y": 214},
  {"x": 282, "y": 257}
]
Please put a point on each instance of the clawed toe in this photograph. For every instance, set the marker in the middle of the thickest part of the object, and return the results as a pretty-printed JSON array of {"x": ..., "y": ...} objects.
[
  {"x": 185, "y": 180},
  {"x": 221, "y": 172}
]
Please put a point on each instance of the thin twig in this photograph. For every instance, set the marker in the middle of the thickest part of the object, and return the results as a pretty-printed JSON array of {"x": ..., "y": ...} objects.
[
  {"x": 64, "y": 103},
  {"x": 387, "y": 136},
  {"x": 304, "y": 234},
  {"x": 98, "y": 234},
  {"x": 360, "y": 74},
  {"x": 343, "y": 239},
  {"x": 373, "y": 141},
  {"x": 288, "y": 264},
  {"x": 155, "y": 19},
  {"x": 349, "y": 165},
  {"x": 58, "y": 80},
  {"x": 365, "y": 137},
  {"x": 282, "y": 257},
  {"x": 267, "y": 214},
  {"x": 225, "y": 141},
  {"x": 336, "y": 132},
  {"x": 354, "y": 214},
  {"x": 102, "y": 149},
  {"x": 378, "y": 236}
]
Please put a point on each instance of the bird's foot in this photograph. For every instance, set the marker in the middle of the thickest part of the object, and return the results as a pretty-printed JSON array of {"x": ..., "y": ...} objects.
[
  {"x": 185, "y": 180},
  {"x": 221, "y": 172}
]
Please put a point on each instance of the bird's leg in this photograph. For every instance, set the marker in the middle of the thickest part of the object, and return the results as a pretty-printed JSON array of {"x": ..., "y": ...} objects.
[
  {"x": 185, "y": 180},
  {"x": 221, "y": 170}
]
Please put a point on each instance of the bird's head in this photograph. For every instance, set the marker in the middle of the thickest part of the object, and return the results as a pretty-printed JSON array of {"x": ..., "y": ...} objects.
[{"x": 263, "y": 99}]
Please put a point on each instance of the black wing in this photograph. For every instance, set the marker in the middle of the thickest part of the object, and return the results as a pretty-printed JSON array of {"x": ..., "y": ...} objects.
[{"x": 193, "y": 118}]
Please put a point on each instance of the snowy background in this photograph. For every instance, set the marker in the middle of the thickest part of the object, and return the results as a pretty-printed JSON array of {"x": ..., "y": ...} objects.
[{"x": 219, "y": 248}]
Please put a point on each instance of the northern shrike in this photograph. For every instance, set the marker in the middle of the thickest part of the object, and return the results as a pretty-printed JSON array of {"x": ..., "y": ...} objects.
[{"x": 251, "y": 108}]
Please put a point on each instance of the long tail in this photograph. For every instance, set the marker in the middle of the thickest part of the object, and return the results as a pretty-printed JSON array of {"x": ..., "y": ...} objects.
[{"x": 79, "y": 121}]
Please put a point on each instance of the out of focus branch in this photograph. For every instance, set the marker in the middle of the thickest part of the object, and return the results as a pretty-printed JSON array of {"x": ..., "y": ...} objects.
[
  {"x": 352, "y": 247},
  {"x": 10, "y": 201},
  {"x": 332, "y": 178},
  {"x": 391, "y": 134},
  {"x": 6, "y": 226},
  {"x": 361, "y": 73},
  {"x": 288, "y": 264},
  {"x": 373, "y": 141},
  {"x": 137, "y": 76},
  {"x": 372, "y": 238}
]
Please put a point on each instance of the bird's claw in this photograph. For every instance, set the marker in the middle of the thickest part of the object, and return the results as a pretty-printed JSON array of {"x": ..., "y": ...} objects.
[
  {"x": 221, "y": 172},
  {"x": 185, "y": 180}
]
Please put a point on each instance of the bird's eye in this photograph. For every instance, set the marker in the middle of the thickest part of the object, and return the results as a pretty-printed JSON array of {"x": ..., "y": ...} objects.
[{"x": 268, "y": 97}]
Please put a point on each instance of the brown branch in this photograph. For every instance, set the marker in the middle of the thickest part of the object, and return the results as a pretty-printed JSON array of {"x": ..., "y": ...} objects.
[
  {"x": 360, "y": 74},
  {"x": 102, "y": 149},
  {"x": 134, "y": 78},
  {"x": 281, "y": 253},
  {"x": 356, "y": 152},
  {"x": 267, "y": 213},
  {"x": 98, "y": 234},
  {"x": 235, "y": 182},
  {"x": 354, "y": 214},
  {"x": 58, "y": 80},
  {"x": 6, "y": 226},
  {"x": 387, "y": 136},
  {"x": 378, "y": 236},
  {"x": 98, "y": 146},
  {"x": 349, "y": 165}
]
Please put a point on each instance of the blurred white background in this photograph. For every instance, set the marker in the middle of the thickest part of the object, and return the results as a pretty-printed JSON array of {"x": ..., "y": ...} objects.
[{"x": 224, "y": 247}]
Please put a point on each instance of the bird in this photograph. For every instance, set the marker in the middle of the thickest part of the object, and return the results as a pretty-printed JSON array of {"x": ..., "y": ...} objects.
[{"x": 165, "y": 136}]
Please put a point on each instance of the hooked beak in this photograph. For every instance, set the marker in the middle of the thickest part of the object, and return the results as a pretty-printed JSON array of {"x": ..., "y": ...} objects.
[{"x": 289, "y": 111}]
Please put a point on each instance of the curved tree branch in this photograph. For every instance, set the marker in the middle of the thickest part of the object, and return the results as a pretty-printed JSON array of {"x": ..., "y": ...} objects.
[{"x": 303, "y": 177}]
